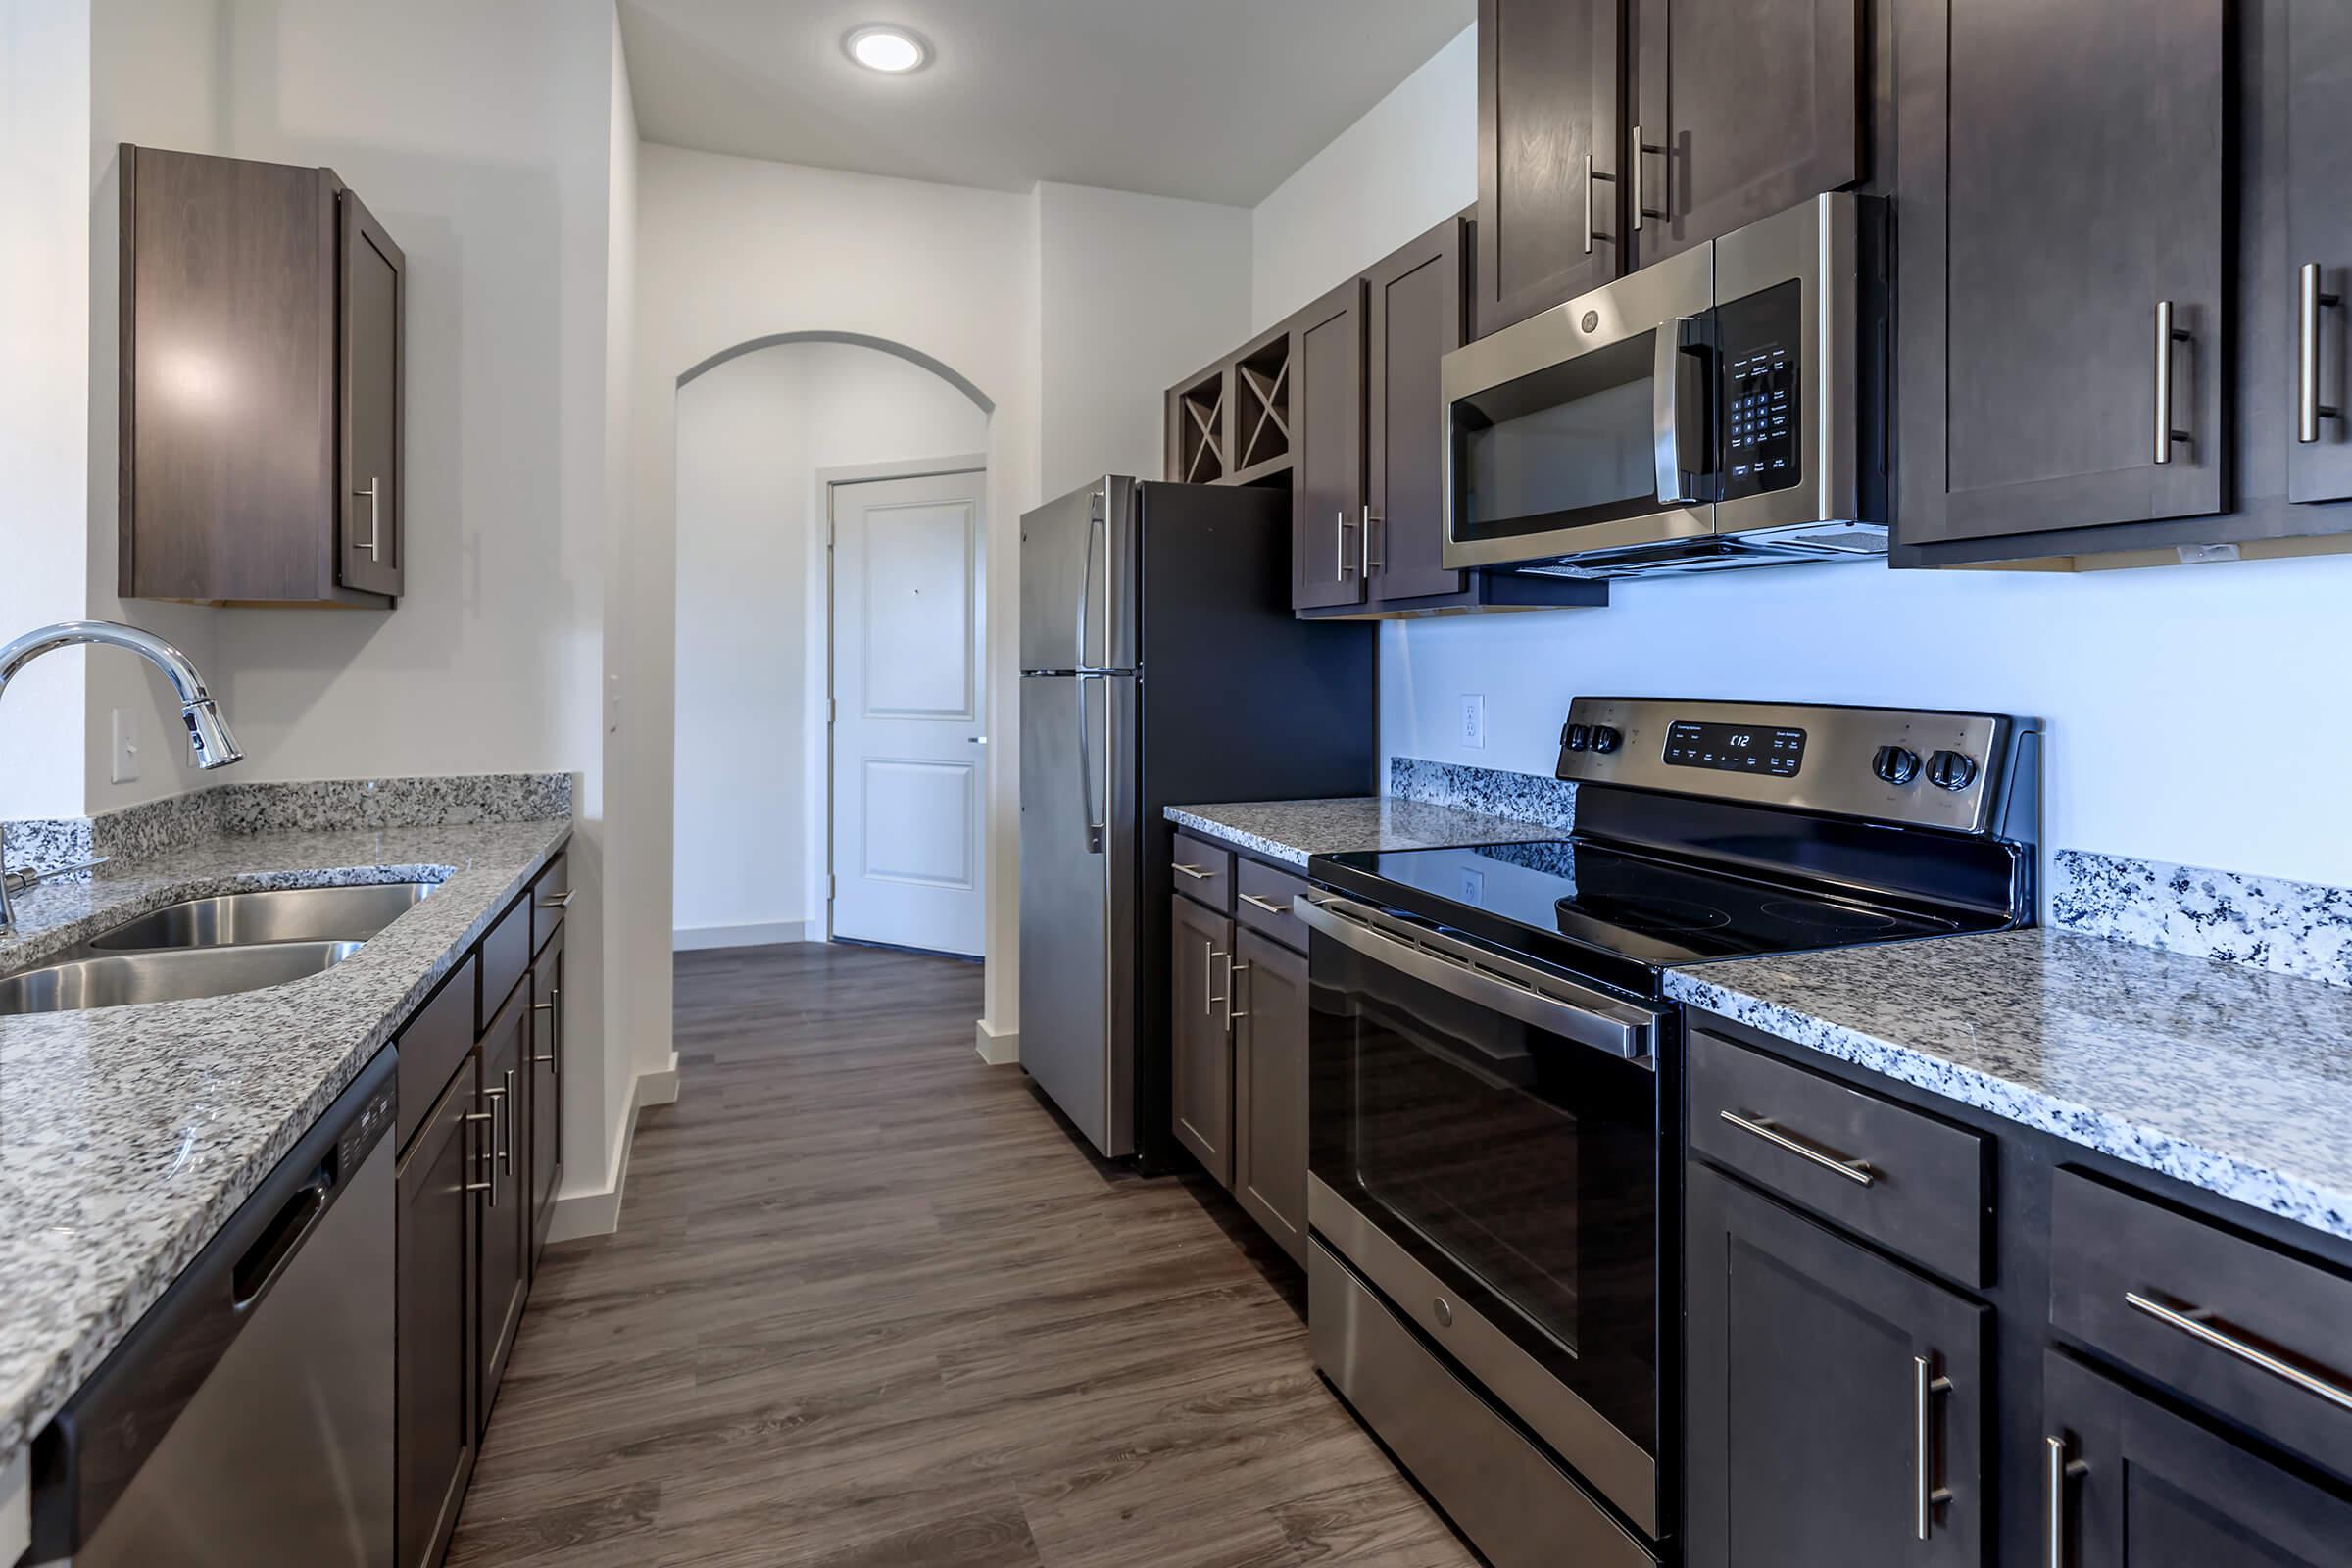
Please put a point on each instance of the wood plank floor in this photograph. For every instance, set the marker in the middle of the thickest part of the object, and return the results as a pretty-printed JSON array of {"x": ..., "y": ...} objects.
[{"x": 872, "y": 1303}]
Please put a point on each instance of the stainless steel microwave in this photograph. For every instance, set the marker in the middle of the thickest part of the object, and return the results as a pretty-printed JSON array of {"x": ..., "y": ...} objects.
[{"x": 1725, "y": 406}]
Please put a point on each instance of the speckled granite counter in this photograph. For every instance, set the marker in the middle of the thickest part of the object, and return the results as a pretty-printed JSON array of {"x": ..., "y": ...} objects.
[
  {"x": 128, "y": 1135},
  {"x": 1292, "y": 830},
  {"x": 2229, "y": 1078}
]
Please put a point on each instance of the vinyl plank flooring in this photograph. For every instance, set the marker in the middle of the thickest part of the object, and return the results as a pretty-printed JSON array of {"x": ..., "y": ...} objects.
[{"x": 872, "y": 1304}]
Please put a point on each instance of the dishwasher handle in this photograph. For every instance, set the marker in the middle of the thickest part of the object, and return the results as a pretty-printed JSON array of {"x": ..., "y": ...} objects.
[{"x": 87, "y": 1455}]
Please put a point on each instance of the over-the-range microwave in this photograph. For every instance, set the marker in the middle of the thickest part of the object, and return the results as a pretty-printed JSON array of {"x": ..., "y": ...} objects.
[{"x": 1724, "y": 407}]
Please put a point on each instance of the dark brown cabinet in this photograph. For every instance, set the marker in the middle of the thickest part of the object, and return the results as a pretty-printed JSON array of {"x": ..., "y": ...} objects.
[
  {"x": 1837, "y": 1399},
  {"x": 2064, "y": 331},
  {"x": 1270, "y": 1069},
  {"x": 506, "y": 1197},
  {"x": 1551, "y": 173},
  {"x": 2316, "y": 151},
  {"x": 1201, "y": 1034},
  {"x": 545, "y": 1097},
  {"x": 2128, "y": 1483},
  {"x": 262, "y": 313},
  {"x": 1738, "y": 116},
  {"x": 1328, "y": 508},
  {"x": 437, "y": 1419},
  {"x": 1415, "y": 320}
]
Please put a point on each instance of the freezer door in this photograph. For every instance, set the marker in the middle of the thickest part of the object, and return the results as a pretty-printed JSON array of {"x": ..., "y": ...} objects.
[
  {"x": 1078, "y": 900},
  {"x": 1077, "y": 580}
]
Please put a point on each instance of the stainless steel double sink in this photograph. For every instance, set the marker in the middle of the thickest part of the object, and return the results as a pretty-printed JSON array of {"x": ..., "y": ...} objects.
[{"x": 214, "y": 948}]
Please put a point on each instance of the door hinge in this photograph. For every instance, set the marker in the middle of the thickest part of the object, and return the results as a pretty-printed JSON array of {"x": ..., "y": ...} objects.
[
  {"x": 832, "y": 886},
  {"x": 832, "y": 709}
]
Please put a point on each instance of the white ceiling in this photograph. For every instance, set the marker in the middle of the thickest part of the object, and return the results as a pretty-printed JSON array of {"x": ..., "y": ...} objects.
[{"x": 1216, "y": 100}]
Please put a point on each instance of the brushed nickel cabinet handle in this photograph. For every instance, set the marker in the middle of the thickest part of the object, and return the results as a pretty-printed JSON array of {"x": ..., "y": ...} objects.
[
  {"x": 1208, "y": 978},
  {"x": 1925, "y": 1385},
  {"x": 2309, "y": 299},
  {"x": 554, "y": 1058},
  {"x": 1267, "y": 904},
  {"x": 373, "y": 503},
  {"x": 2167, "y": 334},
  {"x": 2195, "y": 1323},
  {"x": 2056, "y": 1471},
  {"x": 1196, "y": 873},
  {"x": 1231, "y": 991},
  {"x": 489, "y": 1158},
  {"x": 1641, "y": 151},
  {"x": 1857, "y": 1171},
  {"x": 558, "y": 901},
  {"x": 1592, "y": 233},
  {"x": 506, "y": 1106},
  {"x": 1364, "y": 543},
  {"x": 1339, "y": 545}
]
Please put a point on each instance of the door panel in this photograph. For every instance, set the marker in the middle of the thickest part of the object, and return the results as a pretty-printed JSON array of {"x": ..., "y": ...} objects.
[
  {"x": 369, "y": 545},
  {"x": 1546, "y": 100},
  {"x": 1269, "y": 1067},
  {"x": 505, "y": 1213},
  {"x": 1754, "y": 107},
  {"x": 1416, "y": 320},
  {"x": 2061, "y": 177},
  {"x": 909, "y": 677},
  {"x": 1327, "y": 410},
  {"x": 2318, "y": 228},
  {"x": 546, "y": 1089},
  {"x": 1201, "y": 1034}
]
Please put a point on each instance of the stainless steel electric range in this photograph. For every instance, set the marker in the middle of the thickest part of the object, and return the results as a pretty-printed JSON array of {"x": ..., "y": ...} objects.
[{"x": 1496, "y": 1092}]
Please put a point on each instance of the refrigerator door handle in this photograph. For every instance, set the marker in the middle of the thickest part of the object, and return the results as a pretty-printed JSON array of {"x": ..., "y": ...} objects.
[
  {"x": 1086, "y": 765},
  {"x": 1094, "y": 523}
]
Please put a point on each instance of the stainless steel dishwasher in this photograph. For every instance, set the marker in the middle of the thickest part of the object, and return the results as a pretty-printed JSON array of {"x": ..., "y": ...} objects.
[{"x": 248, "y": 1418}]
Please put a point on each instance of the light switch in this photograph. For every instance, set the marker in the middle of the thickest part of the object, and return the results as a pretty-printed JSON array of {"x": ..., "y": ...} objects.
[
  {"x": 125, "y": 769},
  {"x": 1474, "y": 720}
]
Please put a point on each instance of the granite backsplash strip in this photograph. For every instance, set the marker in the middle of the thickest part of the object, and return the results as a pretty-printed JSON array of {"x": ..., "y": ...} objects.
[
  {"x": 2298, "y": 928},
  {"x": 1522, "y": 797}
]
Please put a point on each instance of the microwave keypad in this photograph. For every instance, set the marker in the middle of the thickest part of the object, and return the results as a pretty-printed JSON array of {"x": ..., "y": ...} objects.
[{"x": 1760, "y": 418}]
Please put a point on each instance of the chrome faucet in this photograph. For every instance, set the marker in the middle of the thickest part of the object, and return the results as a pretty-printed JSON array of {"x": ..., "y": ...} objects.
[{"x": 209, "y": 737}]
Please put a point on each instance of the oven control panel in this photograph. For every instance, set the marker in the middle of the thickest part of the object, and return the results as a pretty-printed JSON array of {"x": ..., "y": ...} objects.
[
  {"x": 1773, "y": 750},
  {"x": 1760, "y": 418}
]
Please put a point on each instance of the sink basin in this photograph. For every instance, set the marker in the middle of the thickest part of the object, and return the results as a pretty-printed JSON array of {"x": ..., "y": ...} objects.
[
  {"x": 172, "y": 975},
  {"x": 246, "y": 919}
]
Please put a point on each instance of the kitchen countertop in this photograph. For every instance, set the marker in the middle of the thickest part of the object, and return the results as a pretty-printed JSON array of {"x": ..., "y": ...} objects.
[
  {"x": 1292, "y": 830},
  {"x": 2230, "y": 1078},
  {"x": 130, "y": 1135}
]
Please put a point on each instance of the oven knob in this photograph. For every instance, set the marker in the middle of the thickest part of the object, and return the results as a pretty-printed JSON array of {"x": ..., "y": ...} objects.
[
  {"x": 1951, "y": 770},
  {"x": 1578, "y": 737},
  {"x": 1604, "y": 739},
  {"x": 1896, "y": 764}
]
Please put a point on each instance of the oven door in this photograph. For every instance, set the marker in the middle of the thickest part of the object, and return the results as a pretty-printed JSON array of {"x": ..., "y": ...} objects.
[
  {"x": 1586, "y": 427},
  {"x": 1485, "y": 1147}
]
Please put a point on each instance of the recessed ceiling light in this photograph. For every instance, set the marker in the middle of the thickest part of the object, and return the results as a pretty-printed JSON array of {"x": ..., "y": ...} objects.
[{"x": 894, "y": 51}]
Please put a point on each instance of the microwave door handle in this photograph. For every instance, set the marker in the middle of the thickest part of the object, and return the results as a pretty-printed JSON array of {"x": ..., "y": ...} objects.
[{"x": 1666, "y": 414}]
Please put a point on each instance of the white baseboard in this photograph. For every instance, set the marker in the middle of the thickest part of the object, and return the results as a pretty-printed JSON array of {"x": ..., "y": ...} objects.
[
  {"x": 694, "y": 938},
  {"x": 596, "y": 1211},
  {"x": 998, "y": 1048}
]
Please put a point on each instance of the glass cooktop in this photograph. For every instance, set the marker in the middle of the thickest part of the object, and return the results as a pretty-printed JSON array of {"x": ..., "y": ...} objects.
[{"x": 1622, "y": 915}]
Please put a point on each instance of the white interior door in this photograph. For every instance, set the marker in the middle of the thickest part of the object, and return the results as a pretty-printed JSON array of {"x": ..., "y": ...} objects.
[{"x": 909, "y": 738}]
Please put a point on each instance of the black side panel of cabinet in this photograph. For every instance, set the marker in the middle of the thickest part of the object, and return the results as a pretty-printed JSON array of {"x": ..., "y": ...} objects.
[
  {"x": 1753, "y": 109},
  {"x": 2061, "y": 173},
  {"x": 1548, "y": 99},
  {"x": 1327, "y": 411},
  {"x": 2318, "y": 158}
]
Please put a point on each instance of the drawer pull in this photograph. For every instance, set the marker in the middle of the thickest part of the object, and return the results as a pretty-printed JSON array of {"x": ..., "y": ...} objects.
[
  {"x": 2190, "y": 1323},
  {"x": 1857, "y": 1171},
  {"x": 556, "y": 900},
  {"x": 1193, "y": 871},
  {"x": 2057, "y": 1471},
  {"x": 1267, "y": 904},
  {"x": 1925, "y": 1385}
]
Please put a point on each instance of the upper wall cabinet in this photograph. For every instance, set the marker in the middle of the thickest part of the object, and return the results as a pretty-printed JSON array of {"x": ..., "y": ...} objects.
[
  {"x": 1738, "y": 116},
  {"x": 1550, "y": 191},
  {"x": 2064, "y": 334},
  {"x": 262, "y": 326},
  {"x": 2316, "y": 155}
]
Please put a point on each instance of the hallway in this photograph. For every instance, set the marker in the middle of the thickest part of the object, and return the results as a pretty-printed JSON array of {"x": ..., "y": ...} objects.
[{"x": 870, "y": 1304}]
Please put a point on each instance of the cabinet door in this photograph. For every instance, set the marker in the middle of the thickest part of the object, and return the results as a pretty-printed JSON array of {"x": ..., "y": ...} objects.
[
  {"x": 1740, "y": 118},
  {"x": 1833, "y": 1393},
  {"x": 2318, "y": 228},
  {"x": 1416, "y": 320},
  {"x": 546, "y": 1096},
  {"x": 2127, "y": 1484},
  {"x": 1270, "y": 1068},
  {"x": 2059, "y": 185},
  {"x": 436, "y": 1423},
  {"x": 1201, "y": 1034},
  {"x": 1549, "y": 196},
  {"x": 370, "y": 308},
  {"x": 1327, "y": 416},
  {"x": 504, "y": 1214}
]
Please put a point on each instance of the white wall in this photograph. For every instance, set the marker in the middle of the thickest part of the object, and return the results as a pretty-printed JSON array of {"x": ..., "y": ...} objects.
[
  {"x": 1137, "y": 293},
  {"x": 752, "y": 436},
  {"x": 2196, "y": 713},
  {"x": 1410, "y": 162}
]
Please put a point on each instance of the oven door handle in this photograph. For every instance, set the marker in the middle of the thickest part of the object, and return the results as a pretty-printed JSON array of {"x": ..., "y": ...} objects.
[{"x": 1488, "y": 980}]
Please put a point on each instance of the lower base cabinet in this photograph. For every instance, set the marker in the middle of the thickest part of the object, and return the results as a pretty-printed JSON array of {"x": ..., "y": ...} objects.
[
  {"x": 437, "y": 1421},
  {"x": 506, "y": 1215},
  {"x": 1270, "y": 1069},
  {"x": 1837, "y": 1405},
  {"x": 1200, "y": 1034},
  {"x": 545, "y": 1114}
]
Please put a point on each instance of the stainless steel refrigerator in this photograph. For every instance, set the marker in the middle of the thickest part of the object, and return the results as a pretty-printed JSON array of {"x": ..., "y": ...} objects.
[{"x": 1160, "y": 664}]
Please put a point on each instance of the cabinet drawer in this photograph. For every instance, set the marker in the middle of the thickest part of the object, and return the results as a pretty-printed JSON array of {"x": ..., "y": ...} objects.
[
  {"x": 432, "y": 1046},
  {"x": 1262, "y": 900},
  {"x": 1915, "y": 1185},
  {"x": 1201, "y": 871},
  {"x": 506, "y": 955},
  {"x": 550, "y": 896},
  {"x": 2246, "y": 1330}
]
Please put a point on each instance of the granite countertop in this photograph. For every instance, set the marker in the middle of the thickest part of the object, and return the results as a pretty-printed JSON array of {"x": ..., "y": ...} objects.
[
  {"x": 2230, "y": 1078},
  {"x": 1294, "y": 830},
  {"x": 130, "y": 1135}
]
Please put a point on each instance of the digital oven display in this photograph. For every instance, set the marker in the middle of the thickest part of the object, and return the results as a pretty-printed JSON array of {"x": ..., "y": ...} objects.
[{"x": 1735, "y": 748}]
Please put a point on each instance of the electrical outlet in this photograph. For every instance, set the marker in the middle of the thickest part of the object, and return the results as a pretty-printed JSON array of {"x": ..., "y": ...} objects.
[
  {"x": 125, "y": 769},
  {"x": 1474, "y": 720}
]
